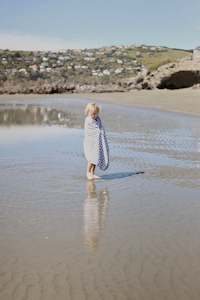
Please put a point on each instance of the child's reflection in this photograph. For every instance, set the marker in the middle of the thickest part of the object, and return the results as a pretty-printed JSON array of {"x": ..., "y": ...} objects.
[{"x": 95, "y": 208}]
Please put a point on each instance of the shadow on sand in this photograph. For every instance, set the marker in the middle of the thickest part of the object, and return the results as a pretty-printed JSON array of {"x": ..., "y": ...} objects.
[{"x": 120, "y": 175}]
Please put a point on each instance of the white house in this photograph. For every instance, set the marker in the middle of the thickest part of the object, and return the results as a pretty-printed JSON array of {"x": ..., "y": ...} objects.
[
  {"x": 119, "y": 61},
  {"x": 89, "y": 58},
  {"x": 22, "y": 70},
  {"x": 48, "y": 69},
  {"x": 77, "y": 67},
  {"x": 106, "y": 72},
  {"x": 4, "y": 60},
  {"x": 118, "y": 71},
  {"x": 94, "y": 73}
]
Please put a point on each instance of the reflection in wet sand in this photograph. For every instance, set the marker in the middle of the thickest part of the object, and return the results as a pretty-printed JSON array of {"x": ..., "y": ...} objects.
[
  {"x": 95, "y": 210},
  {"x": 31, "y": 114}
]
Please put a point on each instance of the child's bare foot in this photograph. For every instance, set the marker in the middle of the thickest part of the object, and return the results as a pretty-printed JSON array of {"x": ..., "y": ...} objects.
[
  {"x": 96, "y": 177},
  {"x": 89, "y": 176}
]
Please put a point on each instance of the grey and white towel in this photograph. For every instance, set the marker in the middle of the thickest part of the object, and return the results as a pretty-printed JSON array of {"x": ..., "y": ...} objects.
[{"x": 96, "y": 148}]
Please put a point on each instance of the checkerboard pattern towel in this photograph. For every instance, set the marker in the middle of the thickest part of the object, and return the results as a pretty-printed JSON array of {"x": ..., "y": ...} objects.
[{"x": 96, "y": 147}]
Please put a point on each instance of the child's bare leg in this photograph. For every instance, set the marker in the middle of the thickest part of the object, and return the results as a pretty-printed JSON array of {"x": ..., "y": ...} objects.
[
  {"x": 89, "y": 170},
  {"x": 89, "y": 165},
  {"x": 93, "y": 170}
]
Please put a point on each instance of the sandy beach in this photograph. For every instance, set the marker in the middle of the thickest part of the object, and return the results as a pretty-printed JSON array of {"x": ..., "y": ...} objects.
[
  {"x": 185, "y": 101},
  {"x": 134, "y": 234}
]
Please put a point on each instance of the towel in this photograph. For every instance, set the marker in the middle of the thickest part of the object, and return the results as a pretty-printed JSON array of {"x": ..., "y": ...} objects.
[{"x": 96, "y": 148}]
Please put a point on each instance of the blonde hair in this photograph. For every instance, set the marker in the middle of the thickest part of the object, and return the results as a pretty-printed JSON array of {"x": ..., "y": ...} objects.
[{"x": 92, "y": 107}]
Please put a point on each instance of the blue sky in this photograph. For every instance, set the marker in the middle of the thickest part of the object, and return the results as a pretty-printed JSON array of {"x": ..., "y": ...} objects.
[{"x": 53, "y": 25}]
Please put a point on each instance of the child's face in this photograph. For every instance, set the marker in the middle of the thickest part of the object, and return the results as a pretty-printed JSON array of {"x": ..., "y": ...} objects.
[{"x": 93, "y": 114}]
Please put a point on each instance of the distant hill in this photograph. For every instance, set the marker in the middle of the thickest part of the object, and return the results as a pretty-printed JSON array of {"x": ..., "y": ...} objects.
[{"x": 71, "y": 70}]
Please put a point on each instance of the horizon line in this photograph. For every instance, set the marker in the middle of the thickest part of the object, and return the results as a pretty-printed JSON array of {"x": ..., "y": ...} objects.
[{"x": 136, "y": 45}]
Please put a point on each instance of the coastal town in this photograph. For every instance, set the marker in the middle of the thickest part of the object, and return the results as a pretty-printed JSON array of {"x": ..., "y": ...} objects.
[{"x": 113, "y": 68}]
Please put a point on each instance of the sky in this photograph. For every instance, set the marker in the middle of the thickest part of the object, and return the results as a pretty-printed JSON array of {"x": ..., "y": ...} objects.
[{"x": 61, "y": 24}]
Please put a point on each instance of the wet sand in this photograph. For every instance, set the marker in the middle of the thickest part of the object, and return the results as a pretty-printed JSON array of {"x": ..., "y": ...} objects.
[
  {"x": 182, "y": 101},
  {"x": 132, "y": 235},
  {"x": 186, "y": 101}
]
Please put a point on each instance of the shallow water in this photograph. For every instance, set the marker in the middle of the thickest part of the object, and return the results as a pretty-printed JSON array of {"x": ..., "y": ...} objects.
[{"x": 134, "y": 234}]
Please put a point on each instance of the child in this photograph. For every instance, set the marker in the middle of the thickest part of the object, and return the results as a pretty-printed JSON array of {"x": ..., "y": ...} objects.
[{"x": 95, "y": 142}]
